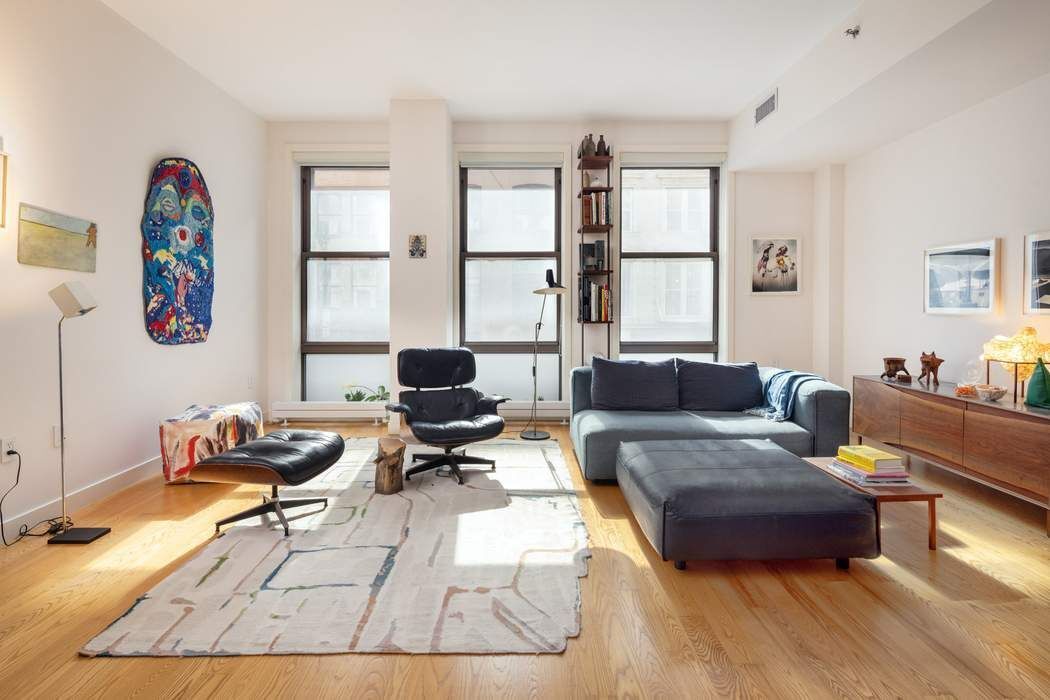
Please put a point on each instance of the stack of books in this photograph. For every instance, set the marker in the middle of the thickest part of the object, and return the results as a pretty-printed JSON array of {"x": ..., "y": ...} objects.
[
  {"x": 596, "y": 209},
  {"x": 867, "y": 466},
  {"x": 596, "y": 302}
]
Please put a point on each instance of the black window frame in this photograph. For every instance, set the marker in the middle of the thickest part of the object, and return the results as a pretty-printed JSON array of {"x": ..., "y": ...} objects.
[
  {"x": 510, "y": 348},
  {"x": 307, "y": 347},
  {"x": 672, "y": 347}
]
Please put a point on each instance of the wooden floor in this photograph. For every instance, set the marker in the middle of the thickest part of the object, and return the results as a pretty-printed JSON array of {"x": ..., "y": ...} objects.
[{"x": 970, "y": 620}]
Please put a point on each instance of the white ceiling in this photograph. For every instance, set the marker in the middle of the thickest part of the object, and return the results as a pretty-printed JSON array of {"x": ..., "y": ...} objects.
[{"x": 491, "y": 59}]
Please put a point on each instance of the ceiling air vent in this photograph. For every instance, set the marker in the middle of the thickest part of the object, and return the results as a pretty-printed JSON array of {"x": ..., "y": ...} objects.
[{"x": 768, "y": 106}]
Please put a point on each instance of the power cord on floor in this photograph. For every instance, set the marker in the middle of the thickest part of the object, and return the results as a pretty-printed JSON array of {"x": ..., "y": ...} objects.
[{"x": 54, "y": 525}]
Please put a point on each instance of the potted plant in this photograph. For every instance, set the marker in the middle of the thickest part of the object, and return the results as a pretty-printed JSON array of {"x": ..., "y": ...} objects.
[{"x": 366, "y": 394}]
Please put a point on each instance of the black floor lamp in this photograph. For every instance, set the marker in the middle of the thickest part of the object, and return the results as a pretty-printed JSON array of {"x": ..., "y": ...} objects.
[
  {"x": 73, "y": 300},
  {"x": 552, "y": 288}
]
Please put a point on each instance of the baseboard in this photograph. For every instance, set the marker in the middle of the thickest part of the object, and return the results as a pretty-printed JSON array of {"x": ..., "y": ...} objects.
[{"x": 86, "y": 495}]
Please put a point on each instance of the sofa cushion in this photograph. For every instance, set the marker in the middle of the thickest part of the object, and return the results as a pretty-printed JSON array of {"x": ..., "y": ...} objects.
[
  {"x": 730, "y": 426},
  {"x": 634, "y": 385},
  {"x": 597, "y": 434},
  {"x": 718, "y": 386}
]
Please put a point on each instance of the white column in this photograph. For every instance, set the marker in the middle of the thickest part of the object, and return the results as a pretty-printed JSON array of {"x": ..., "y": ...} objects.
[
  {"x": 421, "y": 192},
  {"x": 827, "y": 258}
]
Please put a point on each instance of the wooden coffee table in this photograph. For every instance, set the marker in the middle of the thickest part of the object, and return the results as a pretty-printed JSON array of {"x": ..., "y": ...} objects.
[{"x": 890, "y": 494}]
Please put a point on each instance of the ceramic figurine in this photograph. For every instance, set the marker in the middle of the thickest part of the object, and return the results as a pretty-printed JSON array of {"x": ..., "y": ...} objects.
[
  {"x": 894, "y": 366},
  {"x": 930, "y": 364},
  {"x": 589, "y": 149},
  {"x": 602, "y": 149}
]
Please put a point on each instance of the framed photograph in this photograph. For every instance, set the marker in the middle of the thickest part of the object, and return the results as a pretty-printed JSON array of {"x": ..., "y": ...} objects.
[
  {"x": 962, "y": 279},
  {"x": 776, "y": 265},
  {"x": 417, "y": 246},
  {"x": 1037, "y": 273}
]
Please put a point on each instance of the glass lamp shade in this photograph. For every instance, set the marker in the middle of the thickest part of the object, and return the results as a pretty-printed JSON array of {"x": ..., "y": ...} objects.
[{"x": 1023, "y": 346}]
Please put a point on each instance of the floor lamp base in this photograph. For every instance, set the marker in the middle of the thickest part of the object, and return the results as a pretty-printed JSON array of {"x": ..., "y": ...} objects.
[
  {"x": 79, "y": 535},
  {"x": 535, "y": 435}
]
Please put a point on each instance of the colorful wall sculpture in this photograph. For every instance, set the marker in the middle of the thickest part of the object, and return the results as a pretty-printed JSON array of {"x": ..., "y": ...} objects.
[{"x": 178, "y": 277}]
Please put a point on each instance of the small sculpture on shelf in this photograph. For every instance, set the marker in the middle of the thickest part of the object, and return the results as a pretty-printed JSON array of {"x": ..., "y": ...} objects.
[
  {"x": 893, "y": 367},
  {"x": 587, "y": 147},
  {"x": 930, "y": 364},
  {"x": 602, "y": 149}
]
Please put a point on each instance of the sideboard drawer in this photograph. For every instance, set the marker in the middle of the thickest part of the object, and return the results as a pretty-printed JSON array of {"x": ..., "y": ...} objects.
[
  {"x": 1009, "y": 449},
  {"x": 933, "y": 425},
  {"x": 876, "y": 411}
]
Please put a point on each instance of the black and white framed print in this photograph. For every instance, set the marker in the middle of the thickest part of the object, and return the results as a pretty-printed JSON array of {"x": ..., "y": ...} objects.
[
  {"x": 1037, "y": 273},
  {"x": 776, "y": 266},
  {"x": 962, "y": 279}
]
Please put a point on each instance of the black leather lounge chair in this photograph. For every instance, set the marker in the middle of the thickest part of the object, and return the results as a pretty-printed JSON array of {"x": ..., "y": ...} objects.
[
  {"x": 280, "y": 458},
  {"x": 450, "y": 415}
]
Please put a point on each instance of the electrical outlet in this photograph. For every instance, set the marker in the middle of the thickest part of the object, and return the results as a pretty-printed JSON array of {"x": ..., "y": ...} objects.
[
  {"x": 251, "y": 381},
  {"x": 7, "y": 443}
]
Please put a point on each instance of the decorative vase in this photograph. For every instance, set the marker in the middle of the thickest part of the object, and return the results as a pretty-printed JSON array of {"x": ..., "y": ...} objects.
[
  {"x": 602, "y": 149},
  {"x": 589, "y": 149},
  {"x": 586, "y": 179}
]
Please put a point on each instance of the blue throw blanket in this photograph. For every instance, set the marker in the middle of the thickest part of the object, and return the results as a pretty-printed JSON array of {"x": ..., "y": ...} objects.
[{"x": 780, "y": 392}]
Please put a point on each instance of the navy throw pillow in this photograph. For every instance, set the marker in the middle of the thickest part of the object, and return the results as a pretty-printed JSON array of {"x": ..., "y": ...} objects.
[
  {"x": 718, "y": 386},
  {"x": 627, "y": 385}
]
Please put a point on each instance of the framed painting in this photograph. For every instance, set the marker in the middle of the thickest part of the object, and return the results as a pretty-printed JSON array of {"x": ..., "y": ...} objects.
[
  {"x": 961, "y": 279},
  {"x": 49, "y": 239},
  {"x": 776, "y": 266},
  {"x": 1037, "y": 273}
]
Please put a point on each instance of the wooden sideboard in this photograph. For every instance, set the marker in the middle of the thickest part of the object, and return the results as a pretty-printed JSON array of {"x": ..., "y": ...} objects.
[{"x": 1004, "y": 445}]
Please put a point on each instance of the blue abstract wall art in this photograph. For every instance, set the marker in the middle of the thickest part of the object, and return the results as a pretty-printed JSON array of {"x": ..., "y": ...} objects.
[{"x": 178, "y": 277}]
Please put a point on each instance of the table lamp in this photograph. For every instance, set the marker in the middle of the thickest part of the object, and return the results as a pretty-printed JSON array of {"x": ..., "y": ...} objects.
[
  {"x": 1017, "y": 354},
  {"x": 552, "y": 288},
  {"x": 73, "y": 300}
]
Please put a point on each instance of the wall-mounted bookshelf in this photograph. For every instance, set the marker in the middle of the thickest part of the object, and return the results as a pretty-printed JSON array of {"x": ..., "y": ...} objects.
[{"x": 594, "y": 286}]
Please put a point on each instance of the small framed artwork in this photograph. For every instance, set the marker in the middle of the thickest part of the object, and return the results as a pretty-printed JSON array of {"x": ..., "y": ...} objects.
[
  {"x": 1037, "y": 273},
  {"x": 776, "y": 266},
  {"x": 417, "y": 246},
  {"x": 962, "y": 279}
]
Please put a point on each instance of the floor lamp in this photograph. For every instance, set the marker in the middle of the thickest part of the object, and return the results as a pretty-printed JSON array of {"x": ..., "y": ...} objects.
[
  {"x": 552, "y": 288},
  {"x": 73, "y": 300}
]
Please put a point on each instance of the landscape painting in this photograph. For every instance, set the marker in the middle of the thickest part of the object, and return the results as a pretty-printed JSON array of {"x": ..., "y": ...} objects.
[
  {"x": 775, "y": 266},
  {"x": 1037, "y": 273},
  {"x": 50, "y": 239},
  {"x": 961, "y": 279}
]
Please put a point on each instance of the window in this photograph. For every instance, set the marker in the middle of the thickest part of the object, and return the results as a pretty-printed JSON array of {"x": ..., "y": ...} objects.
[
  {"x": 345, "y": 290},
  {"x": 669, "y": 262},
  {"x": 510, "y": 235}
]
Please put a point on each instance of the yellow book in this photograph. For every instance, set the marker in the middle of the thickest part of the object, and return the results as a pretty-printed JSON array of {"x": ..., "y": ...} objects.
[{"x": 867, "y": 458}]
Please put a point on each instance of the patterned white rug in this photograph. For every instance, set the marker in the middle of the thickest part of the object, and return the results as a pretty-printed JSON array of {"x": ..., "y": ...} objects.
[{"x": 489, "y": 567}]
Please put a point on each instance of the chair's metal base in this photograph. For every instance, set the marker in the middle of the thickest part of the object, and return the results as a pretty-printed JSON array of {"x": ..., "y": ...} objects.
[
  {"x": 272, "y": 504},
  {"x": 449, "y": 459}
]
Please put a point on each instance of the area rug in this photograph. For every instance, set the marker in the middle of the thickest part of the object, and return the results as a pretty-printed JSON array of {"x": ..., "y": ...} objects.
[{"x": 489, "y": 567}]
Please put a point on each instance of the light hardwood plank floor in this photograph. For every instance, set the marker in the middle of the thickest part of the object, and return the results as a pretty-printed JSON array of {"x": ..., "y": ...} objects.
[{"x": 969, "y": 620}]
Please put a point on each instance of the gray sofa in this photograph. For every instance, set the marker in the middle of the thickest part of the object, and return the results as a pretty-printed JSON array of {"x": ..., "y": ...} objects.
[{"x": 819, "y": 425}]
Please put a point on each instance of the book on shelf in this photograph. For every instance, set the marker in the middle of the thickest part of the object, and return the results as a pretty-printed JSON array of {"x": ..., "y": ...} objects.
[
  {"x": 599, "y": 255},
  {"x": 869, "y": 459},
  {"x": 848, "y": 472},
  {"x": 595, "y": 301}
]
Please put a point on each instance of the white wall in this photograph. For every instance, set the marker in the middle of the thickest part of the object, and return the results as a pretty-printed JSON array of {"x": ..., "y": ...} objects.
[
  {"x": 980, "y": 173},
  {"x": 770, "y": 329},
  {"x": 89, "y": 106}
]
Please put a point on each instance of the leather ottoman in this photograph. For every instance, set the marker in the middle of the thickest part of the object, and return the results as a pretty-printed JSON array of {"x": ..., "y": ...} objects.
[{"x": 742, "y": 499}]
